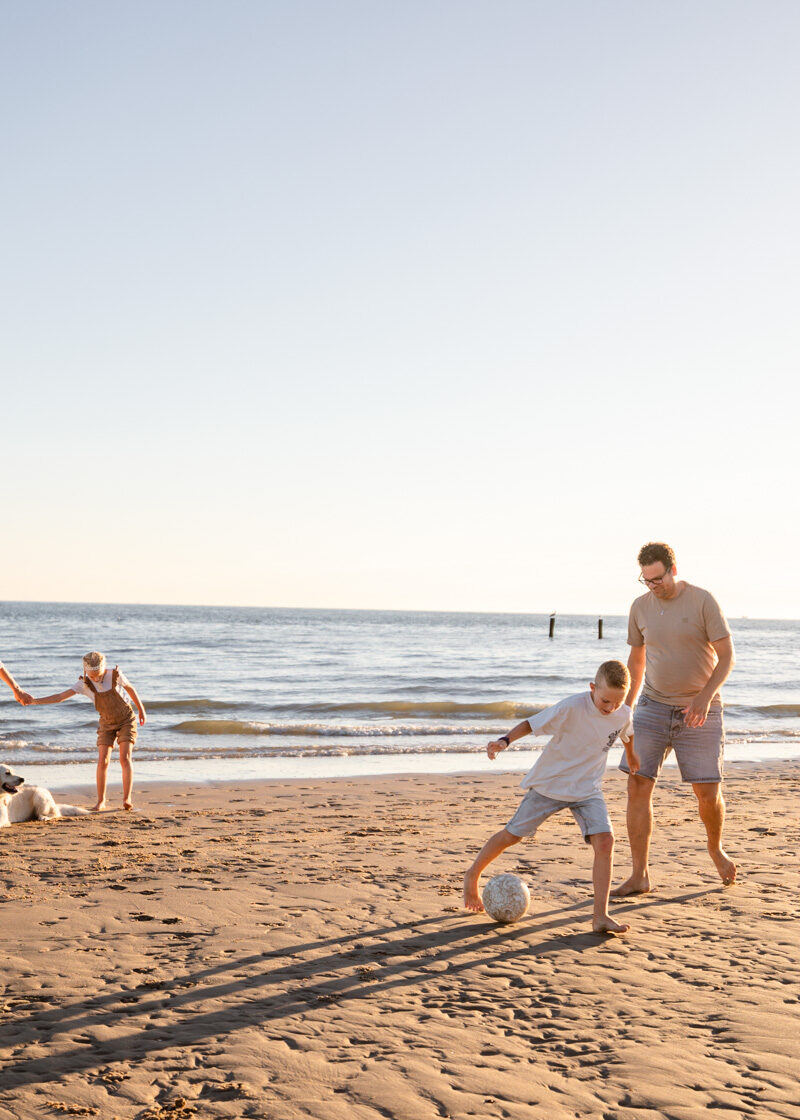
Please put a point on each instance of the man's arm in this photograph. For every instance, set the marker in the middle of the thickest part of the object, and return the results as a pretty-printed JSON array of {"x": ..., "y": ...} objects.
[
  {"x": 636, "y": 664},
  {"x": 631, "y": 756},
  {"x": 695, "y": 714}
]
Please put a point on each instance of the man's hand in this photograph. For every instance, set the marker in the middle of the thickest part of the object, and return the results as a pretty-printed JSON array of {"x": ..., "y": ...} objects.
[
  {"x": 23, "y": 698},
  {"x": 494, "y": 748},
  {"x": 696, "y": 713}
]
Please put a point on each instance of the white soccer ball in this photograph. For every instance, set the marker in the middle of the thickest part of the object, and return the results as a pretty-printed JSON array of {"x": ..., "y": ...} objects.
[{"x": 506, "y": 898}]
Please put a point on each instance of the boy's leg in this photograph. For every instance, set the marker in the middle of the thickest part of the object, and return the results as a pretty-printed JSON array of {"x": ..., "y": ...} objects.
[
  {"x": 639, "y": 819},
  {"x": 603, "y": 845},
  {"x": 126, "y": 762},
  {"x": 103, "y": 759},
  {"x": 490, "y": 851}
]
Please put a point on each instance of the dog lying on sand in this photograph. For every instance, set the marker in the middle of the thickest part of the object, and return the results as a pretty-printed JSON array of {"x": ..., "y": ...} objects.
[{"x": 19, "y": 802}]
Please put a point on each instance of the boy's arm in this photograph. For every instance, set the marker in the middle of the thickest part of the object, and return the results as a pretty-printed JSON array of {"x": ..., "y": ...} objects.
[
  {"x": 131, "y": 691},
  {"x": 518, "y": 732},
  {"x": 56, "y": 698}
]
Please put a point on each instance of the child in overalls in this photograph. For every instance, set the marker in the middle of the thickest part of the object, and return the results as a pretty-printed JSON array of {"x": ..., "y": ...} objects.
[{"x": 117, "y": 720}]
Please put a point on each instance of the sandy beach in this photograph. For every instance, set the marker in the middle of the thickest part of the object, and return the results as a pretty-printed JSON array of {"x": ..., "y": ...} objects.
[{"x": 299, "y": 950}]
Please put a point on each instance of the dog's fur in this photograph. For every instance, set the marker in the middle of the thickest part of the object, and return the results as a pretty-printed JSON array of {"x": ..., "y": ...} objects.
[{"x": 29, "y": 803}]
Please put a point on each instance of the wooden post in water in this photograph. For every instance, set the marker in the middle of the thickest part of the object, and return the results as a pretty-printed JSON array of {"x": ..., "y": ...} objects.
[
  {"x": 552, "y": 623},
  {"x": 600, "y": 629}
]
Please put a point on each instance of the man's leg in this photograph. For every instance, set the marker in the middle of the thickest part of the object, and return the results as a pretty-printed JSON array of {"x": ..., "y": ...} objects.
[
  {"x": 490, "y": 851},
  {"x": 711, "y": 804},
  {"x": 639, "y": 820},
  {"x": 602, "y": 922}
]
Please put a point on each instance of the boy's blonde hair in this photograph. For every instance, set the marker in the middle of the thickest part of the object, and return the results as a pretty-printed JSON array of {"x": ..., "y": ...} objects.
[
  {"x": 615, "y": 674},
  {"x": 94, "y": 662}
]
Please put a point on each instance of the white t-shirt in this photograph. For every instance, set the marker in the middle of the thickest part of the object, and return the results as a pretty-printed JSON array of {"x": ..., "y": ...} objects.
[
  {"x": 103, "y": 685},
  {"x": 571, "y": 766}
]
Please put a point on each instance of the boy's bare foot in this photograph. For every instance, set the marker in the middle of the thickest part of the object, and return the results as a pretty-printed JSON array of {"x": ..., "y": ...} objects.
[
  {"x": 608, "y": 925},
  {"x": 724, "y": 865},
  {"x": 472, "y": 898},
  {"x": 98, "y": 808},
  {"x": 127, "y": 804},
  {"x": 636, "y": 884}
]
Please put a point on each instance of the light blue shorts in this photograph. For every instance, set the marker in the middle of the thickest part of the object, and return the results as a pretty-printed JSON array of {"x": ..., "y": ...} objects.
[
  {"x": 659, "y": 728},
  {"x": 591, "y": 814}
]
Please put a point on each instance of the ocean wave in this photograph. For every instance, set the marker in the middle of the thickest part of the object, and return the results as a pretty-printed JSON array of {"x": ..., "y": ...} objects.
[
  {"x": 199, "y": 704},
  {"x": 324, "y": 730},
  {"x": 499, "y": 709},
  {"x": 779, "y": 710}
]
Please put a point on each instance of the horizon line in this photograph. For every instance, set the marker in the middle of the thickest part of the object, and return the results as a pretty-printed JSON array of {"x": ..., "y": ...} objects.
[{"x": 362, "y": 610}]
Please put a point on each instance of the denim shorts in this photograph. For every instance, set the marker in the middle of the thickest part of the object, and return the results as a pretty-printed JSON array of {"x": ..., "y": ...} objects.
[
  {"x": 659, "y": 729},
  {"x": 591, "y": 814}
]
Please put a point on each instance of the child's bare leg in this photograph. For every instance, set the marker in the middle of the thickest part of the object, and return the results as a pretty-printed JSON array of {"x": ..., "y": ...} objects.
[
  {"x": 126, "y": 762},
  {"x": 603, "y": 844},
  {"x": 103, "y": 759},
  {"x": 490, "y": 851}
]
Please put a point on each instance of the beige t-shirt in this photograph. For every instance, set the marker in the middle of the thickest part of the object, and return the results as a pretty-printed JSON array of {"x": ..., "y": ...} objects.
[{"x": 678, "y": 634}]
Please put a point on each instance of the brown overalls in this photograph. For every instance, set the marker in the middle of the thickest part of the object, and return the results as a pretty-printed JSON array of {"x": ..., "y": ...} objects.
[{"x": 117, "y": 717}]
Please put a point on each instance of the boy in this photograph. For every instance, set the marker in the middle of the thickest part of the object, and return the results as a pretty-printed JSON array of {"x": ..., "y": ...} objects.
[{"x": 568, "y": 775}]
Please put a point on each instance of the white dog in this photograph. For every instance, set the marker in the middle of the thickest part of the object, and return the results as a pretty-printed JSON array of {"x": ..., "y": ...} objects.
[{"x": 33, "y": 803}]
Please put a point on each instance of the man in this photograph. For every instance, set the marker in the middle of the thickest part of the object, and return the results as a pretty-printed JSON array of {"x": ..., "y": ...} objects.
[{"x": 681, "y": 646}]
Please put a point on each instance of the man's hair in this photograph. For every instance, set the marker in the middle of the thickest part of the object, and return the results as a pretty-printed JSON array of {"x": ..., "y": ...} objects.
[
  {"x": 656, "y": 552},
  {"x": 614, "y": 673}
]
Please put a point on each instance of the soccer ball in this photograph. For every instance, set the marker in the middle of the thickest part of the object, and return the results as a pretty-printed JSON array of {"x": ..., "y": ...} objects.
[{"x": 506, "y": 898}]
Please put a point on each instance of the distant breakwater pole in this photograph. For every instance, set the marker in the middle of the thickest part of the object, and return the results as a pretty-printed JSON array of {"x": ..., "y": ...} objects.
[{"x": 552, "y": 632}]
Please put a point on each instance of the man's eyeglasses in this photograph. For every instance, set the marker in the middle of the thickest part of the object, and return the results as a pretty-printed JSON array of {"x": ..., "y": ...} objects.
[{"x": 653, "y": 582}]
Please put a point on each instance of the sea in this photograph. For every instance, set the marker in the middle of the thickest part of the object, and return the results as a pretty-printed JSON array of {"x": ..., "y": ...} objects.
[{"x": 251, "y": 693}]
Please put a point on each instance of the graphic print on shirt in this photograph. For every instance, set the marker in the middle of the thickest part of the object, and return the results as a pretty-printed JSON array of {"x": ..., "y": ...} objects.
[{"x": 611, "y": 739}]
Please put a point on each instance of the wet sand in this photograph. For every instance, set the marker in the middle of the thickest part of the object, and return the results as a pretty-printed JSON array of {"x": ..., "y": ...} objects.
[{"x": 299, "y": 949}]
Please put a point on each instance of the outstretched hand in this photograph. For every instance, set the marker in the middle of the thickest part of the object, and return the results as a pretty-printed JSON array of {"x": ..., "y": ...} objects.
[
  {"x": 494, "y": 748},
  {"x": 24, "y": 698}
]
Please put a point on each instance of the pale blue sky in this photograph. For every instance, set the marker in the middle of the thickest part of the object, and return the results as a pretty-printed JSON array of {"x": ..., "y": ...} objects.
[{"x": 441, "y": 305}]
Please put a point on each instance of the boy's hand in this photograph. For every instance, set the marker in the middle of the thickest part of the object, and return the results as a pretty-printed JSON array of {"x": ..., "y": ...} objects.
[
  {"x": 23, "y": 698},
  {"x": 494, "y": 748},
  {"x": 633, "y": 762}
]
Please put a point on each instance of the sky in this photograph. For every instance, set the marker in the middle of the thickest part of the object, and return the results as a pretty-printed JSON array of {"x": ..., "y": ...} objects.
[{"x": 441, "y": 305}]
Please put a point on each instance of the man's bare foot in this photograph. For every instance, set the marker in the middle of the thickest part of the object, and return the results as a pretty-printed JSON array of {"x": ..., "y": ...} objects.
[
  {"x": 608, "y": 925},
  {"x": 636, "y": 884},
  {"x": 725, "y": 866},
  {"x": 472, "y": 898},
  {"x": 127, "y": 804},
  {"x": 98, "y": 808}
]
